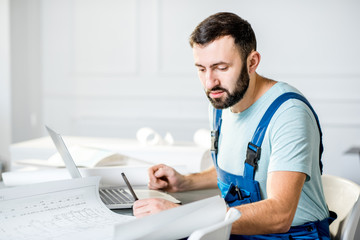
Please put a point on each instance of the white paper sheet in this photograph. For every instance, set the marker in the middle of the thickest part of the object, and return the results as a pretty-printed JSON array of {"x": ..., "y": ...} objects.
[
  {"x": 174, "y": 223},
  {"x": 67, "y": 209}
]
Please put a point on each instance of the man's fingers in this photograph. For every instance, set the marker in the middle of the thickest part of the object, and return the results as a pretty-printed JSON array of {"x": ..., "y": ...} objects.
[
  {"x": 158, "y": 177},
  {"x": 140, "y": 203},
  {"x": 141, "y": 208},
  {"x": 152, "y": 170},
  {"x": 149, "y": 206},
  {"x": 158, "y": 184},
  {"x": 162, "y": 171},
  {"x": 165, "y": 171}
]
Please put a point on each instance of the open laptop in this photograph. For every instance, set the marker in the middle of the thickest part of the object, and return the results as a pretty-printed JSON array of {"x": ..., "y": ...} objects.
[{"x": 114, "y": 197}]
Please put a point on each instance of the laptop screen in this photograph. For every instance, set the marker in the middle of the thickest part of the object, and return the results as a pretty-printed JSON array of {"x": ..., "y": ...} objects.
[{"x": 64, "y": 153}]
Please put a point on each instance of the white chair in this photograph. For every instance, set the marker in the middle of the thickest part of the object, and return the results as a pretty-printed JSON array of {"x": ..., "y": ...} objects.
[
  {"x": 342, "y": 197},
  {"x": 351, "y": 228},
  {"x": 218, "y": 231}
]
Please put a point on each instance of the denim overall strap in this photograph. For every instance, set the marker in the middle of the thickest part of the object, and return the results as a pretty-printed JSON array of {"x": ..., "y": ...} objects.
[
  {"x": 258, "y": 137},
  {"x": 215, "y": 133},
  {"x": 234, "y": 189}
]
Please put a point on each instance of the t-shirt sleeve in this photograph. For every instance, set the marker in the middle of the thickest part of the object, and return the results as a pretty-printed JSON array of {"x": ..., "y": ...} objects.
[{"x": 294, "y": 141}]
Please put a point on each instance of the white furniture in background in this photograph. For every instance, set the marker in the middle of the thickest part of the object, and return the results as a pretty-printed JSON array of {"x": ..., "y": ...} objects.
[
  {"x": 342, "y": 197},
  {"x": 351, "y": 228}
]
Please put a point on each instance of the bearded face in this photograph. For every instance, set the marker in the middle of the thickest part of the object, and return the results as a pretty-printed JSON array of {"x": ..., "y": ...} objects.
[{"x": 231, "y": 98}]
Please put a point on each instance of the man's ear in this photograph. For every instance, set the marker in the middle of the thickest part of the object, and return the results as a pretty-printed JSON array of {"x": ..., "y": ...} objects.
[{"x": 253, "y": 61}]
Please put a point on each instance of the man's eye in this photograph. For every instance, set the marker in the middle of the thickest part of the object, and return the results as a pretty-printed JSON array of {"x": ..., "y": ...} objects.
[
  {"x": 201, "y": 69},
  {"x": 224, "y": 68}
]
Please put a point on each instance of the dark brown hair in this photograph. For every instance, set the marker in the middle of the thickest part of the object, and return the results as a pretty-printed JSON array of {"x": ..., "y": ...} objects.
[{"x": 225, "y": 24}]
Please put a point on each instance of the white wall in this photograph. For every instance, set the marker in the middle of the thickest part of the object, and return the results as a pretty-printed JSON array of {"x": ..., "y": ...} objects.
[
  {"x": 5, "y": 125},
  {"x": 110, "y": 67},
  {"x": 26, "y": 81}
]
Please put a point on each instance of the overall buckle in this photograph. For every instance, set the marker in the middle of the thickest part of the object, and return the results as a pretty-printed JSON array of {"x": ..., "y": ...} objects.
[
  {"x": 252, "y": 154},
  {"x": 214, "y": 140}
]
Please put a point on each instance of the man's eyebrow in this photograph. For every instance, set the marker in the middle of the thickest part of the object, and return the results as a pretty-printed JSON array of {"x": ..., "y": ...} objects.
[
  {"x": 212, "y": 65},
  {"x": 217, "y": 64}
]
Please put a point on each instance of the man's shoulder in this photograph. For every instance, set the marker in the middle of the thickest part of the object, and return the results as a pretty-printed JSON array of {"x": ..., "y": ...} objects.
[{"x": 281, "y": 88}]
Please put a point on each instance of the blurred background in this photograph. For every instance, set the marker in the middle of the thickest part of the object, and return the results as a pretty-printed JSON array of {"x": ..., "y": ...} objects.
[{"x": 105, "y": 68}]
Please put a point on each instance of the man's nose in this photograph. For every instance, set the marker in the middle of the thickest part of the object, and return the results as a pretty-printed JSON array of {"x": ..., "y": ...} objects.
[{"x": 211, "y": 80}]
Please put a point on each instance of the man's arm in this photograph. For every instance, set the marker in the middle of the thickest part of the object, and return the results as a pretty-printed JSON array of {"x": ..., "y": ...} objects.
[
  {"x": 202, "y": 180},
  {"x": 275, "y": 214}
]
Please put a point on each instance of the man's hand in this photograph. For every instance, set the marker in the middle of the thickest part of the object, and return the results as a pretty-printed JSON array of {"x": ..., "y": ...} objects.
[
  {"x": 145, "y": 207},
  {"x": 162, "y": 177}
]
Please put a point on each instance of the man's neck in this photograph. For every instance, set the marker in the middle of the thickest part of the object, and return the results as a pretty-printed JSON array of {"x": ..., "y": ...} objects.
[{"x": 258, "y": 86}]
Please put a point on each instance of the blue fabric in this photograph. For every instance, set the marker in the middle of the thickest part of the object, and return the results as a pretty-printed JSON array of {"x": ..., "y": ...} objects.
[
  {"x": 318, "y": 230},
  {"x": 248, "y": 187},
  {"x": 249, "y": 190},
  {"x": 237, "y": 190}
]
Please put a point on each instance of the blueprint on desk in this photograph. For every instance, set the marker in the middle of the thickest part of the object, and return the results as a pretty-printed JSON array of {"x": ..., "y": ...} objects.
[{"x": 66, "y": 209}]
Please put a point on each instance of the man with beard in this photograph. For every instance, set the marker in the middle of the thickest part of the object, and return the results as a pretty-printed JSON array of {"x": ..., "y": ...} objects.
[{"x": 268, "y": 124}]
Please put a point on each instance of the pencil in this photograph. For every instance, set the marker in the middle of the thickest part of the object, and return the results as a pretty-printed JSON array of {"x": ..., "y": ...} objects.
[{"x": 129, "y": 186}]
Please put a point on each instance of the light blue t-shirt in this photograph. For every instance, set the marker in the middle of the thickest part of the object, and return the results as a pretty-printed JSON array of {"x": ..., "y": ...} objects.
[{"x": 291, "y": 143}]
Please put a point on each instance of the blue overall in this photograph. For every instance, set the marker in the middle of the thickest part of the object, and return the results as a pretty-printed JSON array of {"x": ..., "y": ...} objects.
[{"x": 237, "y": 190}]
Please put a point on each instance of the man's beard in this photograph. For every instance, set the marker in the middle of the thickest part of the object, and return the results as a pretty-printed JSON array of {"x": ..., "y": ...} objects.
[{"x": 241, "y": 87}]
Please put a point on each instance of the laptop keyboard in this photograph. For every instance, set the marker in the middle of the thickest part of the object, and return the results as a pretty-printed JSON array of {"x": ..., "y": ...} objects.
[{"x": 114, "y": 195}]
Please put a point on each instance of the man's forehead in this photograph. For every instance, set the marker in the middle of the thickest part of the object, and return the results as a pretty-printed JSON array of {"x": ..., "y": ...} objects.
[{"x": 220, "y": 50}]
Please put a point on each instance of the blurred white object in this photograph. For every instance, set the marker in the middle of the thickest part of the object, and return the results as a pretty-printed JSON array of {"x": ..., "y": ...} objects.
[
  {"x": 168, "y": 139},
  {"x": 206, "y": 160},
  {"x": 202, "y": 137},
  {"x": 220, "y": 230},
  {"x": 149, "y": 136},
  {"x": 341, "y": 196}
]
